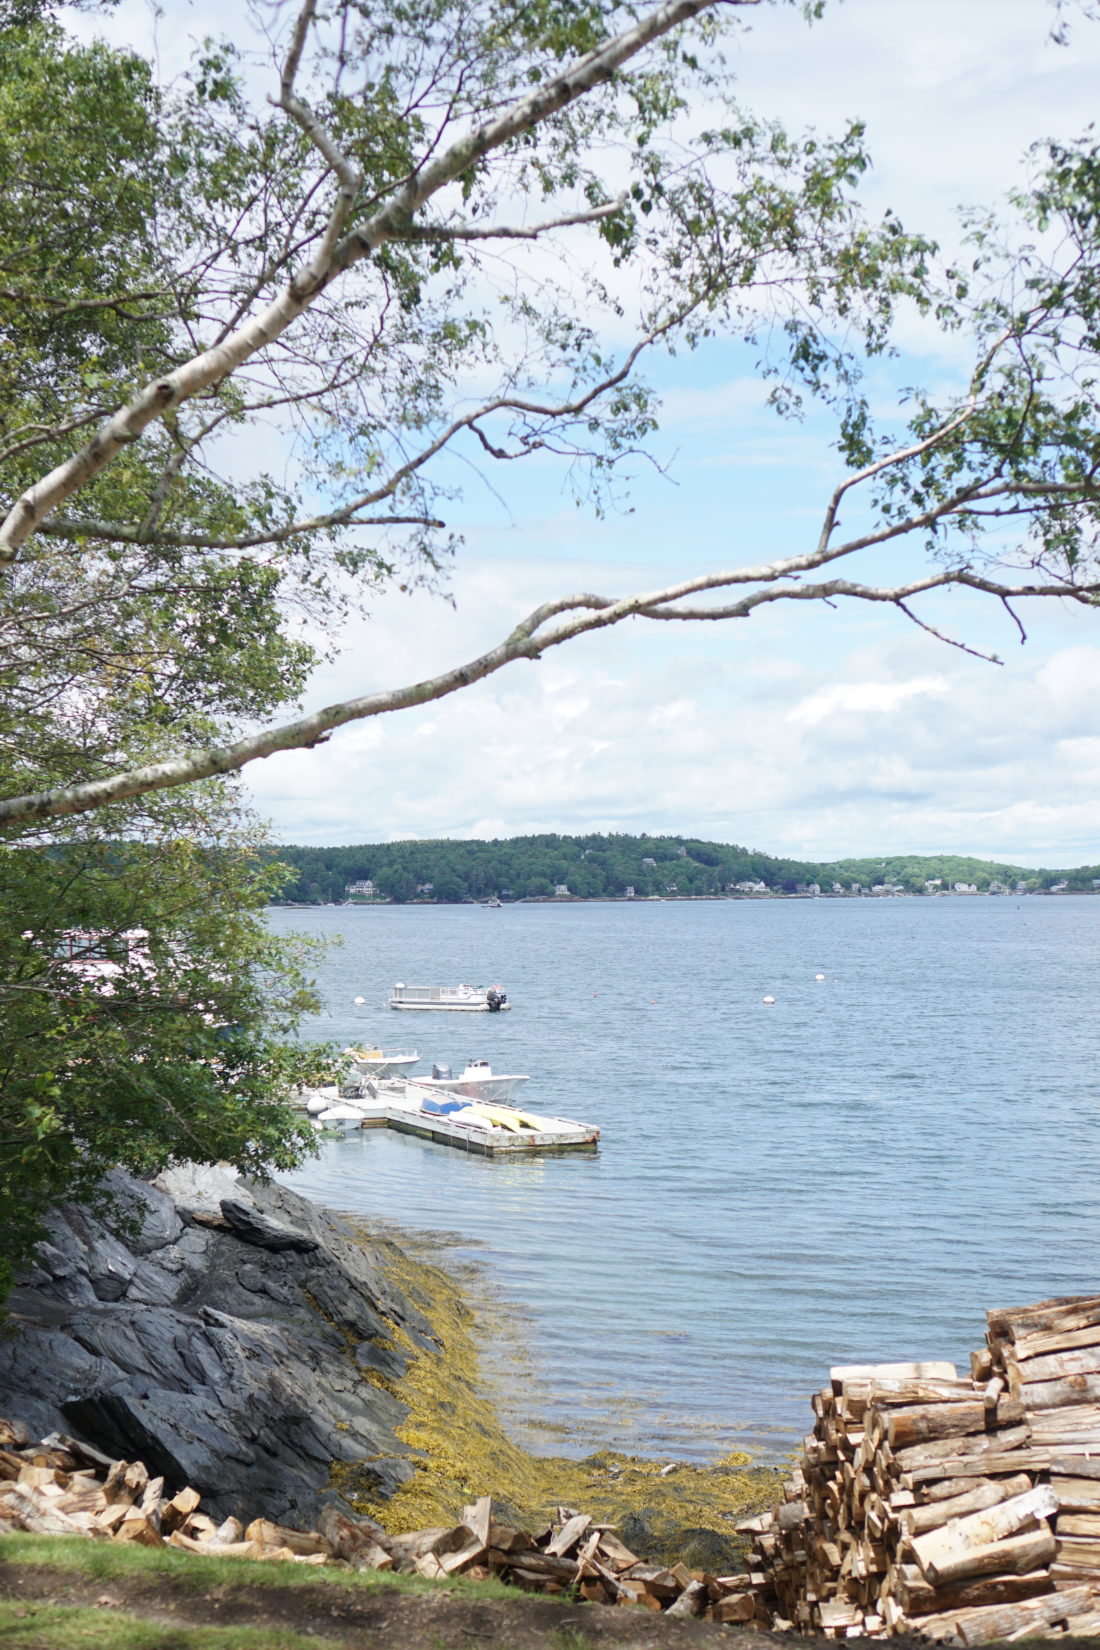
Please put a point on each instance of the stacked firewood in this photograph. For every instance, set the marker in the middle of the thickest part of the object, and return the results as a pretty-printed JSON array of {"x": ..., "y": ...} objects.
[
  {"x": 62, "y": 1486},
  {"x": 956, "y": 1508}
]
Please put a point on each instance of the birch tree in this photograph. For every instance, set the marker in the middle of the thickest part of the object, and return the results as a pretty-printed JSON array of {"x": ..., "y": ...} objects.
[{"x": 415, "y": 249}]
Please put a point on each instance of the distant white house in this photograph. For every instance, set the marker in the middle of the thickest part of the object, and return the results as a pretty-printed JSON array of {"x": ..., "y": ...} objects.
[
  {"x": 838, "y": 887},
  {"x": 1059, "y": 887},
  {"x": 683, "y": 853},
  {"x": 363, "y": 889},
  {"x": 964, "y": 888},
  {"x": 749, "y": 887},
  {"x": 933, "y": 882},
  {"x": 424, "y": 887},
  {"x": 648, "y": 861},
  {"x": 630, "y": 890},
  {"x": 561, "y": 890}
]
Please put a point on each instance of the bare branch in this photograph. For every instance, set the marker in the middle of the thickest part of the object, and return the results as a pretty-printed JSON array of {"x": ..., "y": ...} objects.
[{"x": 63, "y": 528}]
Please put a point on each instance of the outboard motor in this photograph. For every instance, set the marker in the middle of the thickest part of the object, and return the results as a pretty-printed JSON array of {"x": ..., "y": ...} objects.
[
  {"x": 494, "y": 998},
  {"x": 442, "y": 1074}
]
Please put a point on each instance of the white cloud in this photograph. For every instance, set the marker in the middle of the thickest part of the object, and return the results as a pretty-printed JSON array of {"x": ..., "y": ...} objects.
[
  {"x": 861, "y": 697},
  {"x": 741, "y": 733}
]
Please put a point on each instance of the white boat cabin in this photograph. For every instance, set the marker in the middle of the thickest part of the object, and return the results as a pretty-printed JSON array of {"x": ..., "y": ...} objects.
[{"x": 469, "y": 999}]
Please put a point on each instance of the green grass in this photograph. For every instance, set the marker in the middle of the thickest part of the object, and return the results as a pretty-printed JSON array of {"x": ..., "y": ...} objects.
[
  {"x": 31, "y": 1626},
  {"x": 104, "y": 1560},
  {"x": 570, "y": 1638}
]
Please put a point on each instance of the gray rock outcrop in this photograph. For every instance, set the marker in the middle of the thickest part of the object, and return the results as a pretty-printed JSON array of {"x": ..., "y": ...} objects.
[{"x": 222, "y": 1332}]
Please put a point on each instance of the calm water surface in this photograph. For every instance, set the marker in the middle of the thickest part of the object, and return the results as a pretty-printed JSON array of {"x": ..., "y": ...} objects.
[{"x": 854, "y": 1174}]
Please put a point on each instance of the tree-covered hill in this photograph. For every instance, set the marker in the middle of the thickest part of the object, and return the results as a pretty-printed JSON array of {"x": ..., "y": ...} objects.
[{"x": 607, "y": 867}]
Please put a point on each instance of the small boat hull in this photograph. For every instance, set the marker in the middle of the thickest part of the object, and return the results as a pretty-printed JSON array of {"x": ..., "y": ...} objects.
[
  {"x": 475, "y": 1088},
  {"x": 449, "y": 999},
  {"x": 382, "y": 1062},
  {"x": 452, "y": 1008}
]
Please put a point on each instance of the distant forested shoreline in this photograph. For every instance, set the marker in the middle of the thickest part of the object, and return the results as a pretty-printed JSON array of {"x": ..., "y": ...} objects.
[{"x": 641, "y": 867}]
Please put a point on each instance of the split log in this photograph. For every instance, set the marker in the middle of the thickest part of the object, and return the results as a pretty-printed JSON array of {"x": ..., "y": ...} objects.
[
  {"x": 303, "y": 1543},
  {"x": 979, "y": 1466},
  {"x": 738, "y": 1607},
  {"x": 478, "y": 1517},
  {"x": 569, "y": 1534},
  {"x": 927, "y": 1422},
  {"x": 1002, "y": 1621},
  {"x": 934, "y": 1371},
  {"x": 137, "y": 1526},
  {"x": 175, "y": 1513},
  {"x": 978, "y": 1529},
  {"x": 918, "y": 1597},
  {"x": 987, "y": 1493},
  {"x": 1017, "y": 1555},
  {"x": 691, "y": 1602},
  {"x": 1070, "y": 1389},
  {"x": 358, "y": 1542},
  {"x": 656, "y": 1580},
  {"x": 28, "y": 1509},
  {"x": 1078, "y": 1554},
  {"x": 1084, "y": 1524},
  {"x": 952, "y": 1449},
  {"x": 615, "y": 1552},
  {"x": 1044, "y": 1341}
]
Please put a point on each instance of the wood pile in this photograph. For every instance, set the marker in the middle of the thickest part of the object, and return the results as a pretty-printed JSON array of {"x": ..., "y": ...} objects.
[
  {"x": 963, "y": 1509},
  {"x": 64, "y": 1487}
]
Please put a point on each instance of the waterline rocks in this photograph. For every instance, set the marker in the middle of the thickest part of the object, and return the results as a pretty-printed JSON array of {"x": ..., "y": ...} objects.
[{"x": 232, "y": 1336}]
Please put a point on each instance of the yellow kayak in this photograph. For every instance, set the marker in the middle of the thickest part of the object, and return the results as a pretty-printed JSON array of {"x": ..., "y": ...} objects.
[{"x": 506, "y": 1117}]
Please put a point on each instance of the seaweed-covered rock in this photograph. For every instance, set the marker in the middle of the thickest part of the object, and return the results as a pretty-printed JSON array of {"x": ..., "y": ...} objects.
[{"x": 219, "y": 1331}]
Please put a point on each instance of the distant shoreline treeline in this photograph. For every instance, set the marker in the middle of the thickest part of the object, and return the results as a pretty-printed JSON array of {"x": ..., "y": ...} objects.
[{"x": 613, "y": 867}]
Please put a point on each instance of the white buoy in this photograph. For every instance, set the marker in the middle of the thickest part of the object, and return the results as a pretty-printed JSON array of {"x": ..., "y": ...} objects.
[
  {"x": 359, "y": 1001},
  {"x": 819, "y": 976},
  {"x": 769, "y": 1000}
]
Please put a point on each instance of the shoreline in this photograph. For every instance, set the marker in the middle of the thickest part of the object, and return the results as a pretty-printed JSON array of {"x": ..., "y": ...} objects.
[
  {"x": 675, "y": 1511},
  {"x": 250, "y": 1344}
]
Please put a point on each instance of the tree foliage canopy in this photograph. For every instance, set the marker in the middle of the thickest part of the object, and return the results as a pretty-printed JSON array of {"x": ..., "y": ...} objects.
[{"x": 597, "y": 866}]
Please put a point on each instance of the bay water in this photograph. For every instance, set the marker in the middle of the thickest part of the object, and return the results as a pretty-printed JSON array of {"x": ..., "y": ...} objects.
[{"x": 852, "y": 1174}]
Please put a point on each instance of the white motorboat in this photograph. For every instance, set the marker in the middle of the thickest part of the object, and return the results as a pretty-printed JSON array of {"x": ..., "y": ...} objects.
[
  {"x": 469, "y": 999},
  {"x": 382, "y": 1062},
  {"x": 345, "y": 1114},
  {"x": 478, "y": 1082}
]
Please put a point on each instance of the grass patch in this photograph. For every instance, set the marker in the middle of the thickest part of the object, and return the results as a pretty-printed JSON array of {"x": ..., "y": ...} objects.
[
  {"x": 105, "y": 1561},
  {"x": 61, "y": 1627},
  {"x": 570, "y": 1638}
]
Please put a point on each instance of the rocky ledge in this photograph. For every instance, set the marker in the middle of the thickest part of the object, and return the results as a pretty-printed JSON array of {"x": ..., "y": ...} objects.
[{"x": 222, "y": 1332}]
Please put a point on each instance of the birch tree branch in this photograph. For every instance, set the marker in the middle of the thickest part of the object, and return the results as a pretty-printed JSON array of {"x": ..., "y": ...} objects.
[
  {"x": 508, "y": 232},
  {"x": 332, "y": 258},
  {"x": 575, "y": 615}
]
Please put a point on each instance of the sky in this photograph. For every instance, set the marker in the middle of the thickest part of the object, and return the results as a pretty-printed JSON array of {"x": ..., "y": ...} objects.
[{"x": 805, "y": 730}]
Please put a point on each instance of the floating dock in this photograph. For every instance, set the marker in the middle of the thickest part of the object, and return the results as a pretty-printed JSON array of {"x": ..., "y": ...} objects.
[{"x": 488, "y": 1129}]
